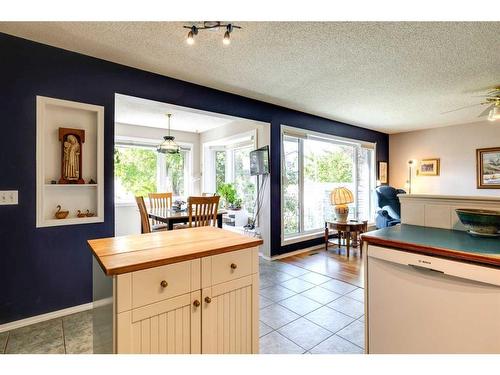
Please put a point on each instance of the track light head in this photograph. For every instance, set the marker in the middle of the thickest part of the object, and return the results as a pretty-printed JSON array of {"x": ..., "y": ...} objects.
[
  {"x": 227, "y": 38},
  {"x": 191, "y": 34},
  {"x": 190, "y": 38}
]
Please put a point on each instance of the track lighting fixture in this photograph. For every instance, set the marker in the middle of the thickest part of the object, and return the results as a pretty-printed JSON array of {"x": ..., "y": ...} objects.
[{"x": 207, "y": 25}]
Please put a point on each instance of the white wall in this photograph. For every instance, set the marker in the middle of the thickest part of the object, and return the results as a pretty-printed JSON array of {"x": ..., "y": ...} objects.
[
  {"x": 234, "y": 128},
  {"x": 455, "y": 146}
]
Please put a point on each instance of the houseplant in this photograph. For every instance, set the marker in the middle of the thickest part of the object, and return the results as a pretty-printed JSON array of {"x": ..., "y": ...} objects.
[{"x": 229, "y": 196}]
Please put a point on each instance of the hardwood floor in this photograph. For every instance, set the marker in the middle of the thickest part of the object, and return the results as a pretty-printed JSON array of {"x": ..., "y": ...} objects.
[{"x": 329, "y": 263}]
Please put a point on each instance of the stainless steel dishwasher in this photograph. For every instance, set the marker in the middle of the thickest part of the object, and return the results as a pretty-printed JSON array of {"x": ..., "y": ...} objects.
[{"x": 424, "y": 304}]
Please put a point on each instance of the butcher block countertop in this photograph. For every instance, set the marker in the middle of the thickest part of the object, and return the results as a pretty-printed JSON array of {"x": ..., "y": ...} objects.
[
  {"x": 445, "y": 243},
  {"x": 118, "y": 255}
]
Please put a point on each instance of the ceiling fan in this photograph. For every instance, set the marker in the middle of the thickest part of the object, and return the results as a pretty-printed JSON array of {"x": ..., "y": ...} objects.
[{"x": 492, "y": 100}]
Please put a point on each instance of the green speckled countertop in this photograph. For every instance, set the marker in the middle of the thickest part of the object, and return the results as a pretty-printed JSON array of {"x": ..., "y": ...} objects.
[{"x": 435, "y": 241}]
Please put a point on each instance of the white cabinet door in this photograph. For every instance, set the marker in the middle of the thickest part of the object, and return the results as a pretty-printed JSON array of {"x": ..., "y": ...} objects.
[
  {"x": 230, "y": 317},
  {"x": 171, "y": 326}
]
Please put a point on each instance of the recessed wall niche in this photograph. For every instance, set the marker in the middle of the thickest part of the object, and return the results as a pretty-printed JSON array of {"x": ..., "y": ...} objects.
[{"x": 53, "y": 114}]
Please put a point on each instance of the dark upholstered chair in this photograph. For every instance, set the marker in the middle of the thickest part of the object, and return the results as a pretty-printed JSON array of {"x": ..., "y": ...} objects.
[{"x": 388, "y": 206}]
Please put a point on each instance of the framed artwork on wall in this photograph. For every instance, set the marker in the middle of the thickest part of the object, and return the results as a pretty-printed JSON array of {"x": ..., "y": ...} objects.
[
  {"x": 428, "y": 167},
  {"x": 488, "y": 168},
  {"x": 382, "y": 172}
]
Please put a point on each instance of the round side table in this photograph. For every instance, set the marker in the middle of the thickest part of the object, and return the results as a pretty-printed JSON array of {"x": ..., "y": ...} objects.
[{"x": 346, "y": 230}]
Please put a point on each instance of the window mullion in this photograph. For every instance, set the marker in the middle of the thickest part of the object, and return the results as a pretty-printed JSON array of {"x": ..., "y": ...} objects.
[
  {"x": 301, "y": 185},
  {"x": 161, "y": 173},
  {"x": 229, "y": 166},
  {"x": 356, "y": 181}
]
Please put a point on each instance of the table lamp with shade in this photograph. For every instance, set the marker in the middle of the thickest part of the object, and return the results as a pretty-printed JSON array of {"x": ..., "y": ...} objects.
[{"x": 340, "y": 198}]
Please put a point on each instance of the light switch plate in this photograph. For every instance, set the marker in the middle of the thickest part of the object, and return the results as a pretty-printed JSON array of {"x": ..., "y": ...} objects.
[{"x": 8, "y": 197}]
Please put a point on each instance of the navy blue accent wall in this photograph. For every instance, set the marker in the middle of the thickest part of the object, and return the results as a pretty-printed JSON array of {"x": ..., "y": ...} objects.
[{"x": 47, "y": 269}]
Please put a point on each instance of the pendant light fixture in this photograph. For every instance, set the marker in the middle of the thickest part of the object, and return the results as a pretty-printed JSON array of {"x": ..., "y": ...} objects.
[{"x": 168, "y": 146}]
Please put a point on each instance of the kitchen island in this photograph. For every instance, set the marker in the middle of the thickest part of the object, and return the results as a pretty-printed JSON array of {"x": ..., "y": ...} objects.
[
  {"x": 431, "y": 290},
  {"x": 193, "y": 290}
]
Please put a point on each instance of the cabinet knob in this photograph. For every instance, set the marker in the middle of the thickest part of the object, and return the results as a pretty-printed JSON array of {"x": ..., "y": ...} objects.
[
  {"x": 196, "y": 303},
  {"x": 164, "y": 284},
  {"x": 208, "y": 299},
  {"x": 233, "y": 266}
]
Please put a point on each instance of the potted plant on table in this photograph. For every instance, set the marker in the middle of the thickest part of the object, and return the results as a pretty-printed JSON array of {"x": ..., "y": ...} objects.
[{"x": 229, "y": 196}]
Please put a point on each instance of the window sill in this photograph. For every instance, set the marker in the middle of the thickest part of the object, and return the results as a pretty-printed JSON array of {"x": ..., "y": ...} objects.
[
  {"x": 313, "y": 235},
  {"x": 302, "y": 237},
  {"x": 125, "y": 204}
]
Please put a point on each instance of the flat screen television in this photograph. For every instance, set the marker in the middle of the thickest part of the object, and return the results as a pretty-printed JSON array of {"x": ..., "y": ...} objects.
[{"x": 259, "y": 161}]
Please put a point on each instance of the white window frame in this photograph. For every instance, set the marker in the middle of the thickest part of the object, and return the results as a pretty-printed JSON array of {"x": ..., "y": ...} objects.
[
  {"x": 161, "y": 171},
  {"x": 305, "y": 134},
  {"x": 161, "y": 162},
  {"x": 213, "y": 151},
  {"x": 228, "y": 144}
]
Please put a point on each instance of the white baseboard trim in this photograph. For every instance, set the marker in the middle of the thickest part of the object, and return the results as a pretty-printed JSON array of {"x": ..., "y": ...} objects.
[
  {"x": 292, "y": 253},
  {"x": 102, "y": 302},
  {"x": 43, "y": 317}
]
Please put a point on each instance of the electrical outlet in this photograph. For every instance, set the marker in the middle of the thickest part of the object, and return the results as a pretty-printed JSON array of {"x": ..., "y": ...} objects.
[{"x": 8, "y": 197}]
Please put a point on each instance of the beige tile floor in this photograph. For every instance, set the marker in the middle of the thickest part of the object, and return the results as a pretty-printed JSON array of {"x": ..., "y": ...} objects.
[
  {"x": 71, "y": 334},
  {"x": 300, "y": 312},
  {"x": 306, "y": 312}
]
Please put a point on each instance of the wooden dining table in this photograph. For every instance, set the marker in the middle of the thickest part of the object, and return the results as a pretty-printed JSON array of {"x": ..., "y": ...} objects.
[{"x": 171, "y": 217}]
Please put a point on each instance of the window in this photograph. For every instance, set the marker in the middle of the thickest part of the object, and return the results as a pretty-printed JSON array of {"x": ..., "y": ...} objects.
[
  {"x": 312, "y": 166},
  {"x": 140, "y": 170},
  {"x": 228, "y": 161},
  {"x": 135, "y": 172},
  {"x": 243, "y": 181},
  {"x": 326, "y": 166},
  {"x": 173, "y": 173},
  {"x": 290, "y": 185},
  {"x": 220, "y": 168}
]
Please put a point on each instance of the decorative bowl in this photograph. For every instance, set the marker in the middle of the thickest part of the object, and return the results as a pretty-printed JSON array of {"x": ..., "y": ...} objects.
[{"x": 480, "y": 222}]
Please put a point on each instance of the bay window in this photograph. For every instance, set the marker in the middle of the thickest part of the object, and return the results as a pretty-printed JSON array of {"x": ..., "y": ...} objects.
[
  {"x": 313, "y": 164},
  {"x": 140, "y": 169},
  {"x": 228, "y": 161},
  {"x": 232, "y": 165}
]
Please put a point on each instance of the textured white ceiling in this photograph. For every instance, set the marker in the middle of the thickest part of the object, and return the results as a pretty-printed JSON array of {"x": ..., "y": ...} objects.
[
  {"x": 138, "y": 111},
  {"x": 390, "y": 77}
]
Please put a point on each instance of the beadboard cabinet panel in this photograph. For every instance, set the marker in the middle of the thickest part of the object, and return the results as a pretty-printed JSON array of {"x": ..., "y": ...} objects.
[
  {"x": 227, "y": 320},
  {"x": 167, "y": 327}
]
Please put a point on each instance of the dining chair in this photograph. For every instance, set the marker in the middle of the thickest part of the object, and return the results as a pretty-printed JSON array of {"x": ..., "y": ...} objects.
[
  {"x": 202, "y": 211},
  {"x": 146, "y": 226},
  {"x": 159, "y": 200}
]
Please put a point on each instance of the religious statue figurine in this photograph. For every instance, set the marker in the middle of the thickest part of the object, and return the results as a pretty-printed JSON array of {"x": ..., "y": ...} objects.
[{"x": 71, "y": 163}]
